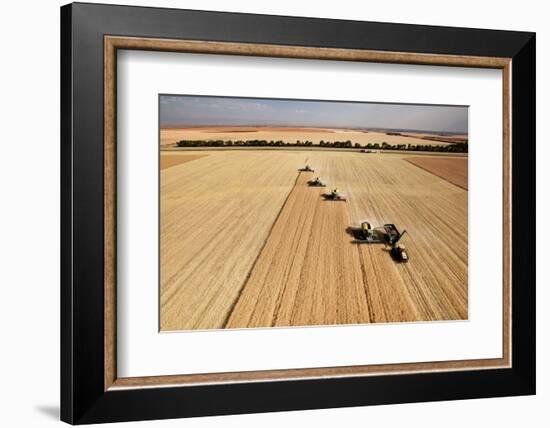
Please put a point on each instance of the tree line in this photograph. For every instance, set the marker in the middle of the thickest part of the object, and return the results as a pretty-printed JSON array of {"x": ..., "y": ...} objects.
[{"x": 348, "y": 144}]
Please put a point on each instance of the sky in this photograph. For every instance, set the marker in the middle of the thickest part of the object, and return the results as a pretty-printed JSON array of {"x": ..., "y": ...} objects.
[{"x": 191, "y": 110}]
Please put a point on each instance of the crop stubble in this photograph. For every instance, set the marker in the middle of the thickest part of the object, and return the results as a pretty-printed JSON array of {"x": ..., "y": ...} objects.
[
  {"x": 307, "y": 272},
  {"x": 216, "y": 213}
]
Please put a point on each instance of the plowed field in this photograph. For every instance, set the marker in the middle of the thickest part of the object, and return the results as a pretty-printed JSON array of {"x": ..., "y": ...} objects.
[
  {"x": 169, "y": 160},
  {"x": 452, "y": 169}
]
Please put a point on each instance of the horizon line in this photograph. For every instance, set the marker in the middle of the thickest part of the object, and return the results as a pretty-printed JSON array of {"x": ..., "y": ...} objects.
[{"x": 206, "y": 125}]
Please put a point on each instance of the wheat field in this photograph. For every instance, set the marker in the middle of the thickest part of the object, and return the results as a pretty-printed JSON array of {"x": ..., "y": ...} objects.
[
  {"x": 215, "y": 215},
  {"x": 246, "y": 243}
]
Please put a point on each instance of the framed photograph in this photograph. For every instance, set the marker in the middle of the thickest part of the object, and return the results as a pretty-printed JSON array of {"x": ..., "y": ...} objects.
[{"x": 265, "y": 213}]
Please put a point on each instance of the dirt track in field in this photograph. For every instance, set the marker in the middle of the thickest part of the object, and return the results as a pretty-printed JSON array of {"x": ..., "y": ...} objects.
[
  {"x": 289, "y": 260},
  {"x": 454, "y": 170}
]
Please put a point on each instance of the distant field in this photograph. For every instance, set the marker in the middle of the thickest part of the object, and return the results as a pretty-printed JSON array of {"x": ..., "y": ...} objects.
[
  {"x": 170, "y": 136},
  {"x": 246, "y": 243},
  {"x": 454, "y": 170}
]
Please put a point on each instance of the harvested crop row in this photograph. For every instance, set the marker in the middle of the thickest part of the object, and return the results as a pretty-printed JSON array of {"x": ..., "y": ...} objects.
[
  {"x": 434, "y": 213},
  {"x": 215, "y": 215},
  {"x": 309, "y": 273},
  {"x": 231, "y": 257},
  {"x": 302, "y": 276}
]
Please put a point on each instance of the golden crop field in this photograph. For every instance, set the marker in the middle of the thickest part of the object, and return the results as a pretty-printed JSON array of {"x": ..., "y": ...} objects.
[
  {"x": 215, "y": 215},
  {"x": 284, "y": 256},
  {"x": 170, "y": 136}
]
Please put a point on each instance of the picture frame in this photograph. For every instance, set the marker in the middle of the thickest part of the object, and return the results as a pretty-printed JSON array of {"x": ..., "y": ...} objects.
[{"x": 91, "y": 391}]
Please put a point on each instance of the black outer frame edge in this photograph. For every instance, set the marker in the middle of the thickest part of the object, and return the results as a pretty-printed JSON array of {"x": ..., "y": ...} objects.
[
  {"x": 524, "y": 212},
  {"x": 300, "y": 31},
  {"x": 82, "y": 397},
  {"x": 167, "y": 403},
  {"x": 66, "y": 306}
]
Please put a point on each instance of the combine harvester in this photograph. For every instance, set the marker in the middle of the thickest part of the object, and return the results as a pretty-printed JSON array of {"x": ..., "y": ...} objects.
[
  {"x": 307, "y": 168},
  {"x": 387, "y": 235},
  {"x": 335, "y": 195},
  {"x": 316, "y": 183}
]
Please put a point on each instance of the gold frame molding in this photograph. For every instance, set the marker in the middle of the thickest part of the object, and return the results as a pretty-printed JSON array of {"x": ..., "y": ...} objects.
[{"x": 113, "y": 43}]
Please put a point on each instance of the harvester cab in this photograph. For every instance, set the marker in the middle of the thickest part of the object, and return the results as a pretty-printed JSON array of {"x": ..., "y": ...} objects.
[
  {"x": 366, "y": 227},
  {"x": 365, "y": 234},
  {"x": 367, "y": 231}
]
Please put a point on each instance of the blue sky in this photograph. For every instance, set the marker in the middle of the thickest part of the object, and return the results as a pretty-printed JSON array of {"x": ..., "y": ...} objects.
[{"x": 198, "y": 110}]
